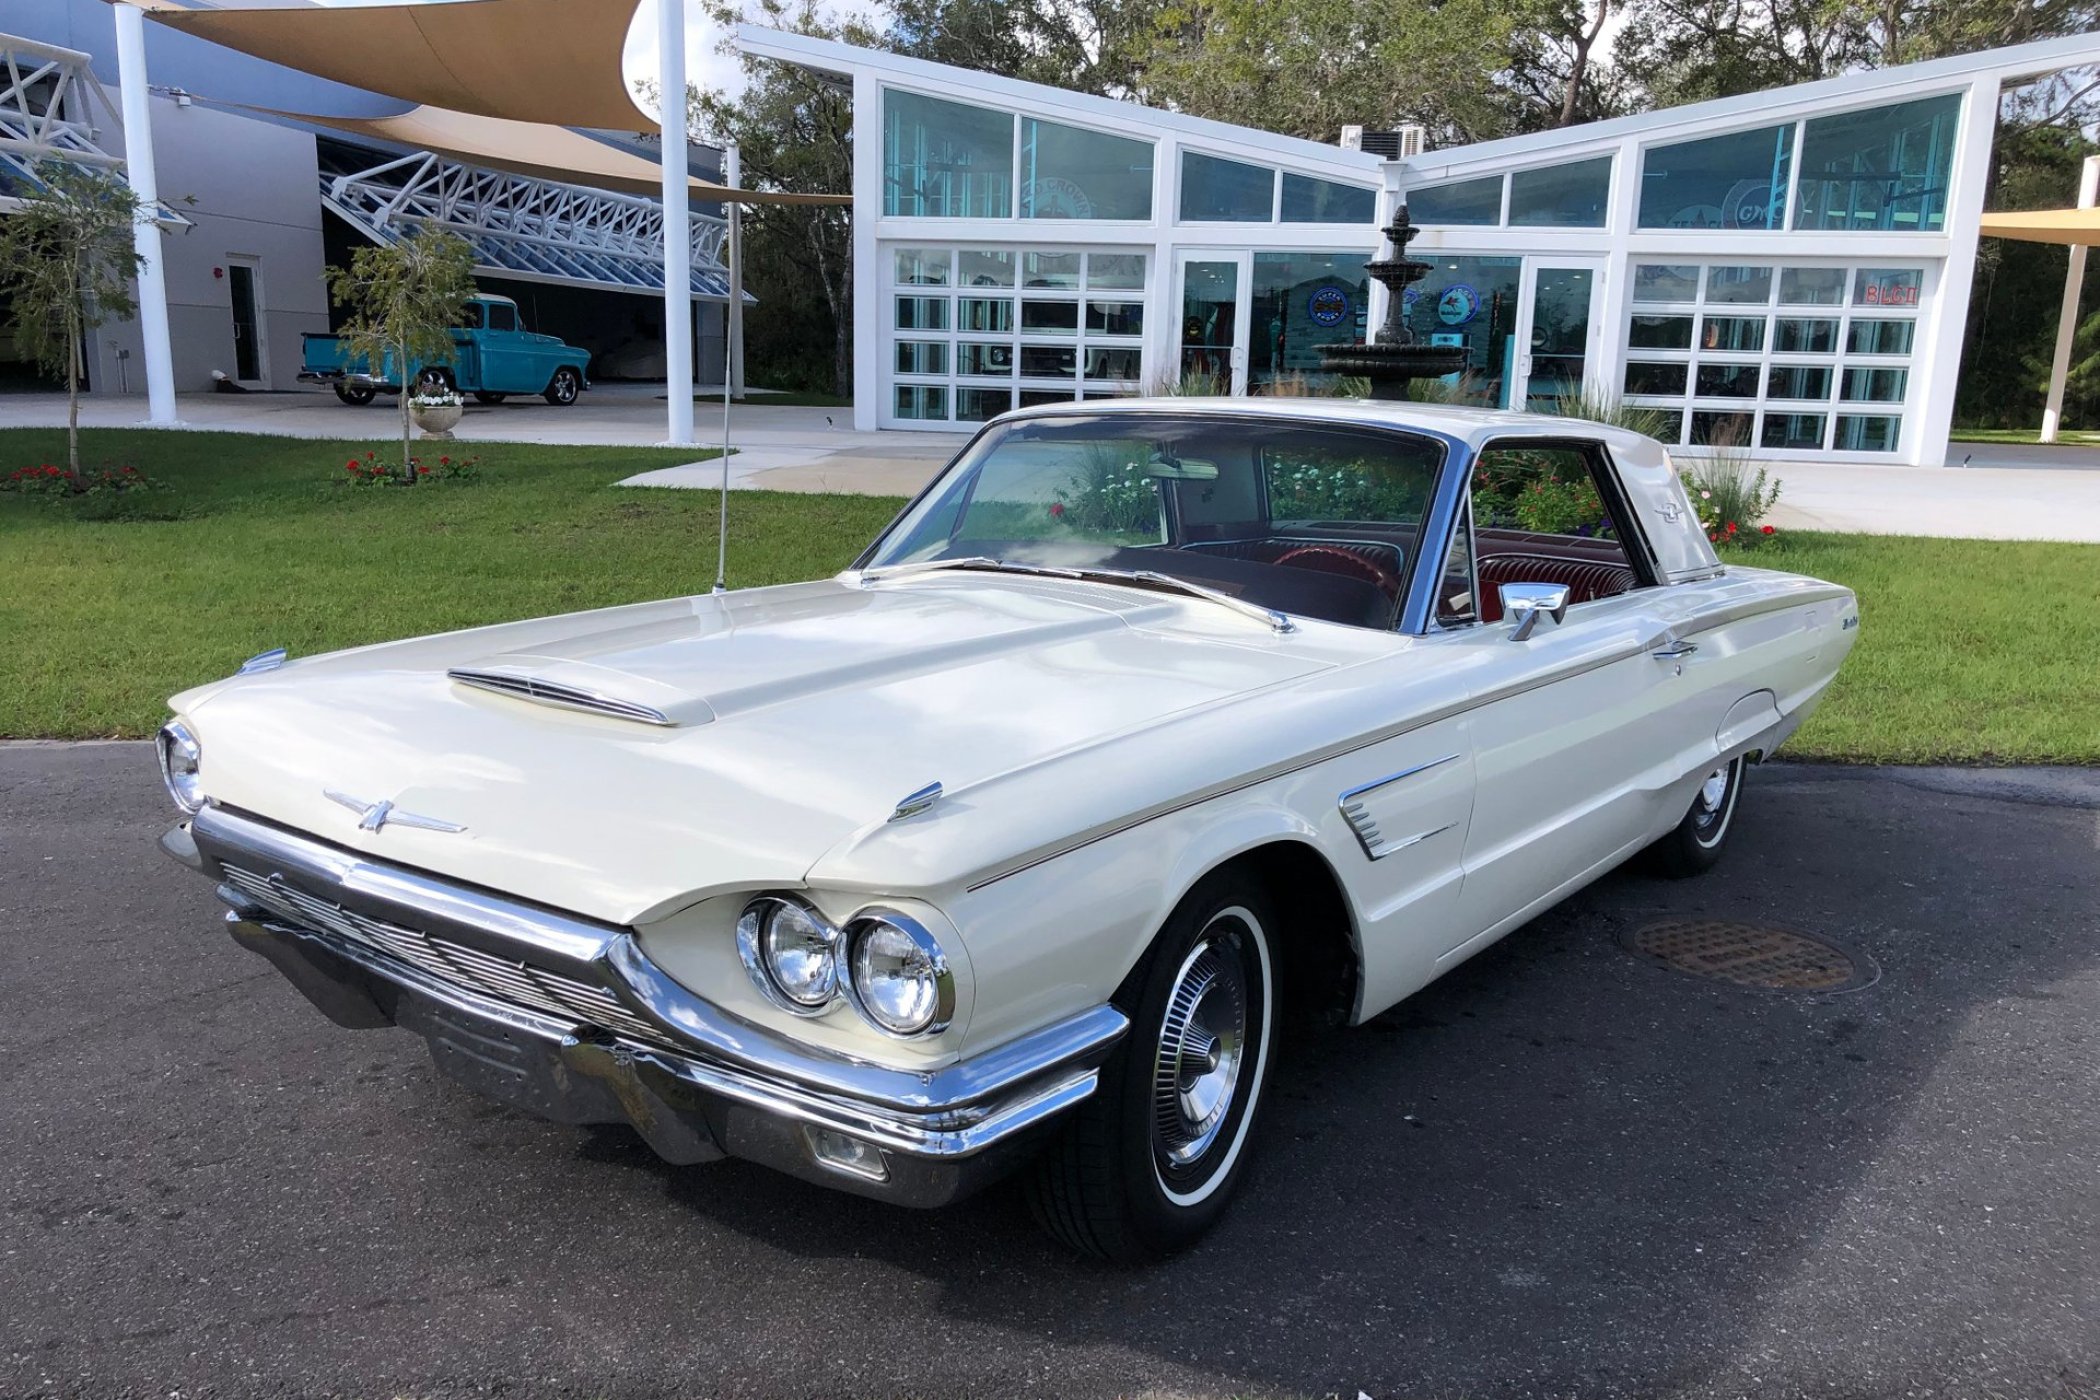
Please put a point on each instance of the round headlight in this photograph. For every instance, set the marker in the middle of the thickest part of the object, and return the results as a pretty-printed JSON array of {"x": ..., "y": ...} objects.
[
  {"x": 790, "y": 952},
  {"x": 180, "y": 758},
  {"x": 901, "y": 980}
]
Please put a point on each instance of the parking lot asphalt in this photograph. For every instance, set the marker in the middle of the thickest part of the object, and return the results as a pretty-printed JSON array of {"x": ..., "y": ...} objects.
[{"x": 1561, "y": 1171}]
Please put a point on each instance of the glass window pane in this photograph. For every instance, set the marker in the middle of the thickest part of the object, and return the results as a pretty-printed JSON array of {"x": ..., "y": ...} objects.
[
  {"x": 1645, "y": 377},
  {"x": 922, "y": 313},
  {"x": 980, "y": 268},
  {"x": 984, "y": 314},
  {"x": 984, "y": 361},
  {"x": 1881, "y": 337},
  {"x": 1739, "y": 285},
  {"x": 1796, "y": 430},
  {"x": 922, "y": 357},
  {"x": 1563, "y": 196},
  {"x": 1123, "y": 272},
  {"x": 1106, "y": 391},
  {"x": 1804, "y": 337},
  {"x": 922, "y": 267},
  {"x": 1734, "y": 181},
  {"x": 1869, "y": 385},
  {"x": 1666, "y": 282},
  {"x": 1310, "y": 201},
  {"x": 1798, "y": 382},
  {"x": 1669, "y": 427},
  {"x": 1461, "y": 202},
  {"x": 1884, "y": 168},
  {"x": 943, "y": 160},
  {"x": 1115, "y": 318},
  {"x": 1859, "y": 433},
  {"x": 1660, "y": 333},
  {"x": 1888, "y": 286},
  {"x": 1035, "y": 398},
  {"x": 1301, "y": 302},
  {"x": 1048, "y": 361},
  {"x": 1470, "y": 302},
  {"x": 1812, "y": 286},
  {"x": 502, "y": 316},
  {"x": 1070, "y": 173},
  {"x": 922, "y": 401},
  {"x": 1112, "y": 363},
  {"x": 978, "y": 405},
  {"x": 1727, "y": 381},
  {"x": 1214, "y": 190},
  {"x": 1733, "y": 333},
  {"x": 1050, "y": 270},
  {"x": 1050, "y": 317},
  {"x": 1731, "y": 429}
]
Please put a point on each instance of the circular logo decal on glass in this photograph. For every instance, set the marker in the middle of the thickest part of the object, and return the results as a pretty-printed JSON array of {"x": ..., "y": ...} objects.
[
  {"x": 1328, "y": 306},
  {"x": 1458, "y": 305}
]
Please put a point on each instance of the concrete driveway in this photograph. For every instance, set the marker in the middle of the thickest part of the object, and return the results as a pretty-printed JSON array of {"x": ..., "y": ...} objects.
[{"x": 1561, "y": 1171}]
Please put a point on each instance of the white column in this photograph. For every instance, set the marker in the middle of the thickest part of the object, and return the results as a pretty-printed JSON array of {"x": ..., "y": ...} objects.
[
  {"x": 733, "y": 245},
  {"x": 138, "y": 165},
  {"x": 2067, "y": 319},
  {"x": 871, "y": 341},
  {"x": 678, "y": 235},
  {"x": 1929, "y": 418}
]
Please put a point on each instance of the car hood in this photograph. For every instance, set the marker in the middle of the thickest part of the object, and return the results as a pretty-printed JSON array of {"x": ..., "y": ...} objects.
[{"x": 788, "y": 721}]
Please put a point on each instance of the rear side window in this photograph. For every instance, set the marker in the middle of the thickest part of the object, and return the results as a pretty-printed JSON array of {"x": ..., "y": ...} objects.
[
  {"x": 502, "y": 316},
  {"x": 1539, "y": 516}
]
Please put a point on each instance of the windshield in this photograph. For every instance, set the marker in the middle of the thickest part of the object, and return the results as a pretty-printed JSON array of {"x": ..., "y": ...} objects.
[{"x": 1307, "y": 518}]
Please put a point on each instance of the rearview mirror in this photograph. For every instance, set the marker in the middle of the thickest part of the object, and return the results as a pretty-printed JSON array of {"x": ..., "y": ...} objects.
[
  {"x": 1162, "y": 467},
  {"x": 1525, "y": 603}
]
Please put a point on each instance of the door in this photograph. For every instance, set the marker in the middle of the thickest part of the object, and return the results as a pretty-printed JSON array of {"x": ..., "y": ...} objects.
[
  {"x": 1557, "y": 330},
  {"x": 251, "y": 359},
  {"x": 509, "y": 363},
  {"x": 1215, "y": 289}
]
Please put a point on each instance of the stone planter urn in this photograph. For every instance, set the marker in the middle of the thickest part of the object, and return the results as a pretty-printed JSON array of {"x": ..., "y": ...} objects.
[{"x": 435, "y": 420}]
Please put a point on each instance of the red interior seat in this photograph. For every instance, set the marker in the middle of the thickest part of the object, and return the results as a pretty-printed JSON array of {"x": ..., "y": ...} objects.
[{"x": 1586, "y": 579}]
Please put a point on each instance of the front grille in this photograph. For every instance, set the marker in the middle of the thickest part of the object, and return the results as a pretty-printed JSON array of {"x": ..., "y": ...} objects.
[{"x": 505, "y": 979}]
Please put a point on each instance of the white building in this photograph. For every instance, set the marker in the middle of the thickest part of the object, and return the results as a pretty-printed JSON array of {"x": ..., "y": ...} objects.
[{"x": 1786, "y": 272}]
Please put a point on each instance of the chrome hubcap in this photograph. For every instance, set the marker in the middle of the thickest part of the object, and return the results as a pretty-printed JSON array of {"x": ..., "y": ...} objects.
[
  {"x": 1196, "y": 1073},
  {"x": 1713, "y": 790}
]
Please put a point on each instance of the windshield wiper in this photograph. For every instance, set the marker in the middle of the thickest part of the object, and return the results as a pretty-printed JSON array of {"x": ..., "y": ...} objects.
[{"x": 1142, "y": 578}]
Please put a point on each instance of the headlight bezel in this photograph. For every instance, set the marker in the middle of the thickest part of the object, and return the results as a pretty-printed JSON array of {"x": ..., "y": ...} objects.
[
  {"x": 941, "y": 1014},
  {"x": 752, "y": 928},
  {"x": 181, "y": 765}
]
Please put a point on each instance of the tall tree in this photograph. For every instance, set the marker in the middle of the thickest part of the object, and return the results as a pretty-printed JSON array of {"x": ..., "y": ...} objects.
[{"x": 67, "y": 256}]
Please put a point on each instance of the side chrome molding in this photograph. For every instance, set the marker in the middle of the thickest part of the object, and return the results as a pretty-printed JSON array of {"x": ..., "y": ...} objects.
[{"x": 1377, "y": 845}]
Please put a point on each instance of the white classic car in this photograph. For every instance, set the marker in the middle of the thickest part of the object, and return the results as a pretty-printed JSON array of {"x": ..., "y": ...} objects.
[{"x": 1148, "y": 724}]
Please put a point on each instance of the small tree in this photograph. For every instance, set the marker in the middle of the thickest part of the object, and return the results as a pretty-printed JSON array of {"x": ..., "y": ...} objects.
[
  {"x": 403, "y": 299},
  {"x": 68, "y": 258}
]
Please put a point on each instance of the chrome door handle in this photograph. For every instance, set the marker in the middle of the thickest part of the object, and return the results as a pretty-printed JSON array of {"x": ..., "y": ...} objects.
[{"x": 1674, "y": 651}]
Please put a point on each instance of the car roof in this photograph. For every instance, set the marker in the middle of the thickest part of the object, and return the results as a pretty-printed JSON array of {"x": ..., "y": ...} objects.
[{"x": 1472, "y": 426}]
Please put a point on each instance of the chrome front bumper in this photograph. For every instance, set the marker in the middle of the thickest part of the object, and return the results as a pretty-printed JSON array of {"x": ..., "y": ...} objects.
[{"x": 570, "y": 1020}]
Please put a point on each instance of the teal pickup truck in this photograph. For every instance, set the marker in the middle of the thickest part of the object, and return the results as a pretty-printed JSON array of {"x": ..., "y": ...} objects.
[{"x": 493, "y": 357}]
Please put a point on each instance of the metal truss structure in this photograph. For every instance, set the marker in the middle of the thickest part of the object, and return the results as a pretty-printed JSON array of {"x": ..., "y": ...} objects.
[
  {"x": 47, "y": 112},
  {"x": 521, "y": 227}
]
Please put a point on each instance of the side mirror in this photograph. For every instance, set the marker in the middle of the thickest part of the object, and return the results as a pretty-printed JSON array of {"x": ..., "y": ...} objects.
[{"x": 1524, "y": 603}]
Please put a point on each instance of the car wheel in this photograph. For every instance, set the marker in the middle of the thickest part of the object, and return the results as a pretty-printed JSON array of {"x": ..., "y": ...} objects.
[
  {"x": 435, "y": 379},
  {"x": 490, "y": 399},
  {"x": 1150, "y": 1160},
  {"x": 357, "y": 396},
  {"x": 1695, "y": 846},
  {"x": 563, "y": 388}
]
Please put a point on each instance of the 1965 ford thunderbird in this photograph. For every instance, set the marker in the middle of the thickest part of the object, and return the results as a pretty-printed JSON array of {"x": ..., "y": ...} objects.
[{"x": 1145, "y": 727}]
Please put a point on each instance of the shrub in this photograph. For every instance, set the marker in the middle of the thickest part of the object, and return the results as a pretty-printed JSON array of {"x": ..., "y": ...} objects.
[
  {"x": 1732, "y": 495},
  {"x": 368, "y": 470},
  {"x": 1596, "y": 406}
]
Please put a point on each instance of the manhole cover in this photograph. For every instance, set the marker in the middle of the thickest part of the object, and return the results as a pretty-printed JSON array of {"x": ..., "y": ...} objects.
[{"x": 1752, "y": 955}]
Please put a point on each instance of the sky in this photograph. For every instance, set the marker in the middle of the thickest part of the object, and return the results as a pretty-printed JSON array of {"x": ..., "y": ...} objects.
[{"x": 704, "y": 65}]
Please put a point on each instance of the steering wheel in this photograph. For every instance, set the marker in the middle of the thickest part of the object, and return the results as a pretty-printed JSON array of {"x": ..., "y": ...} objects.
[{"x": 1334, "y": 559}]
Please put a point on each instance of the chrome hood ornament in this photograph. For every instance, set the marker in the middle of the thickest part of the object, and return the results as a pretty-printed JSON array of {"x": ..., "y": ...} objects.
[{"x": 371, "y": 816}]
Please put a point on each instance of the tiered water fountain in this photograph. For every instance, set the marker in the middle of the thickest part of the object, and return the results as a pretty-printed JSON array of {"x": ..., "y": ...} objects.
[{"x": 1392, "y": 360}]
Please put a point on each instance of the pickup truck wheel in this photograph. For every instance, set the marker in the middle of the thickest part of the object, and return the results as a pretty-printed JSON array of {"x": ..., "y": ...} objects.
[
  {"x": 1695, "y": 846},
  {"x": 490, "y": 399},
  {"x": 563, "y": 388},
  {"x": 356, "y": 395},
  {"x": 435, "y": 380},
  {"x": 1151, "y": 1159}
]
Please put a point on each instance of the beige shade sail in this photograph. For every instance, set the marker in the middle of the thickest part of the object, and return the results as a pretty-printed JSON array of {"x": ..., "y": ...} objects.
[
  {"x": 2080, "y": 226},
  {"x": 545, "y": 152},
  {"x": 553, "y": 61}
]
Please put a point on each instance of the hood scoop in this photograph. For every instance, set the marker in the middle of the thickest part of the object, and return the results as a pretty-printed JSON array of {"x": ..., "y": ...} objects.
[{"x": 591, "y": 690}]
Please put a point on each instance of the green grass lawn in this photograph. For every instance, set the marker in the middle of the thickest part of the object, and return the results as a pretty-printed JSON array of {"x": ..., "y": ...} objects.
[{"x": 1969, "y": 651}]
